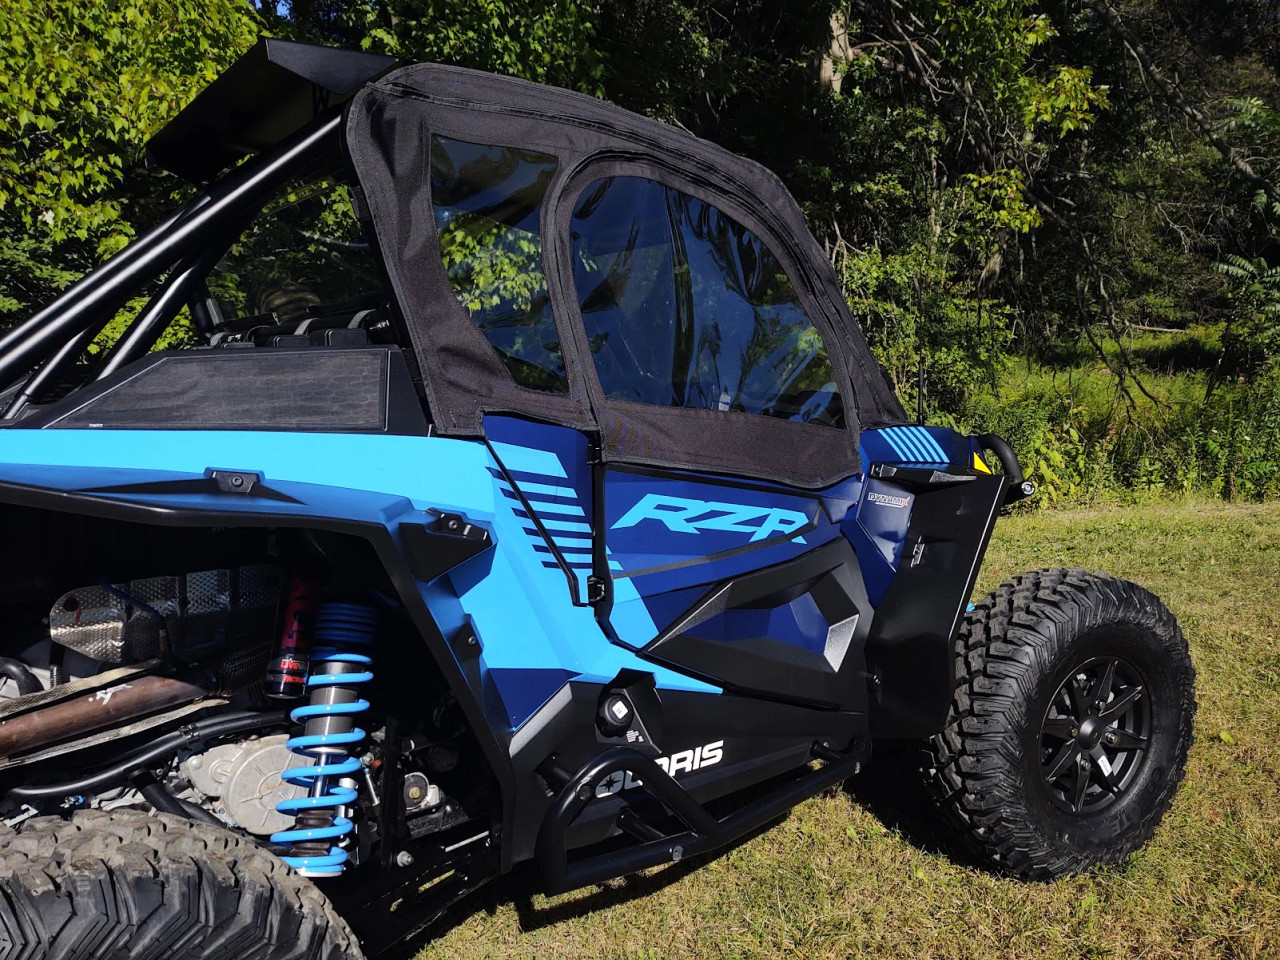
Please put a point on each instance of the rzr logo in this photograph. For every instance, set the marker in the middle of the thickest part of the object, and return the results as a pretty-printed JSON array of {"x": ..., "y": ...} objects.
[
  {"x": 693, "y": 516},
  {"x": 679, "y": 762}
]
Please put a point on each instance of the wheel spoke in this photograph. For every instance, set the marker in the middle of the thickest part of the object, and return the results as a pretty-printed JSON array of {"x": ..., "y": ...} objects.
[
  {"x": 1120, "y": 705},
  {"x": 1066, "y": 756},
  {"x": 1059, "y": 727},
  {"x": 1122, "y": 740},
  {"x": 1101, "y": 691},
  {"x": 1101, "y": 772},
  {"x": 1093, "y": 734},
  {"x": 1081, "y": 787},
  {"x": 1079, "y": 706}
]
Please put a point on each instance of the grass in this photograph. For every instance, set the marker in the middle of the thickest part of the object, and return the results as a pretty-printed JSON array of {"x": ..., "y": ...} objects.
[{"x": 847, "y": 875}]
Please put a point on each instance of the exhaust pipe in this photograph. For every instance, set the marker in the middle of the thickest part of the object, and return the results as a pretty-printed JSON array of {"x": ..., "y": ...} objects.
[{"x": 95, "y": 710}]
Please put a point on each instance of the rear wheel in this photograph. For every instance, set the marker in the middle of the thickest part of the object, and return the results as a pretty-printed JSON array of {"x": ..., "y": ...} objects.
[
  {"x": 128, "y": 886},
  {"x": 1070, "y": 725}
]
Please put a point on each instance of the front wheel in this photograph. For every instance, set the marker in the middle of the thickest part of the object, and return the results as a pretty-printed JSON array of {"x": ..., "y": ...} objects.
[{"x": 1070, "y": 724}]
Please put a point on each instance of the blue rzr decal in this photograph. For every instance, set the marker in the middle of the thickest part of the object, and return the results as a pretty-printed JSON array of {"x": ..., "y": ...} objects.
[{"x": 681, "y": 515}]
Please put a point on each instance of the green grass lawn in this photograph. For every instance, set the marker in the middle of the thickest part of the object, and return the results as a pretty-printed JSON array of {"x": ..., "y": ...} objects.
[{"x": 850, "y": 875}]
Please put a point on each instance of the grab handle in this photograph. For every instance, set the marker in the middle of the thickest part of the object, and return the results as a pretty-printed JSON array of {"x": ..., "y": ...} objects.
[{"x": 1019, "y": 486}]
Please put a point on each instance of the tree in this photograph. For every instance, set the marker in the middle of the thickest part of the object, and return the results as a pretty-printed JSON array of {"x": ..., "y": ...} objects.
[
  {"x": 82, "y": 87},
  {"x": 549, "y": 41}
]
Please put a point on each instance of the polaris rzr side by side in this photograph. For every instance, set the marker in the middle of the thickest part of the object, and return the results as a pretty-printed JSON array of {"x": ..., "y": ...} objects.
[{"x": 516, "y": 488}]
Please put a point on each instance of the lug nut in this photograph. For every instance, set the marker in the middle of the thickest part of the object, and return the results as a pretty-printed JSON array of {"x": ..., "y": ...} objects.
[{"x": 404, "y": 859}]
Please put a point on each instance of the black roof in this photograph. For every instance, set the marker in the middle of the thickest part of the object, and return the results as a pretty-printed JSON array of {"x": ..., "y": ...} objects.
[{"x": 272, "y": 91}]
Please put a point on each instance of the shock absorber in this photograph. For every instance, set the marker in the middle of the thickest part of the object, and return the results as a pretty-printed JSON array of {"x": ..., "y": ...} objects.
[{"x": 340, "y": 661}]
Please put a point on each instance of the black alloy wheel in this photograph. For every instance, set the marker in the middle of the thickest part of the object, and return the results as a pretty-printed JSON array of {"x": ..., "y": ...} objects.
[{"x": 1093, "y": 741}]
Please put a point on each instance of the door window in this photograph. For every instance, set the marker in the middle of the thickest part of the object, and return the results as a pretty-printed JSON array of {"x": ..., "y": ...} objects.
[
  {"x": 487, "y": 201},
  {"x": 685, "y": 307}
]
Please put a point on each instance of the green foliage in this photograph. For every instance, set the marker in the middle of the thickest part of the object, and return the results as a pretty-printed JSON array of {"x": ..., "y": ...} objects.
[
  {"x": 1252, "y": 342},
  {"x": 489, "y": 263},
  {"x": 1008, "y": 195},
  {"x": 1257, "y": 286},
  {"x": 911, "y": 307},
  {"x": 1081, "y": 443},
  {"x": 549, "y": 41},
  {"x": 82, "y": 86}
]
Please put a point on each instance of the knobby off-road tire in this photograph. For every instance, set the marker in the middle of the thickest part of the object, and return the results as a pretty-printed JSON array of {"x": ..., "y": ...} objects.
[
  {"x": 128, "y": 886},
  {"x": 1028, "y": 659}
]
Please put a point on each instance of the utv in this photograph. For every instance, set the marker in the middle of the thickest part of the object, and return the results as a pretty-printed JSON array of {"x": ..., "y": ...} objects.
[{"x": 514, "y": 487}]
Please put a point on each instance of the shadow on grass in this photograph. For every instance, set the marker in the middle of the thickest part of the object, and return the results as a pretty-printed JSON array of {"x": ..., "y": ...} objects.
[
  {"x": 523, "y": 884},
  {"x": 892, "y": 790}
]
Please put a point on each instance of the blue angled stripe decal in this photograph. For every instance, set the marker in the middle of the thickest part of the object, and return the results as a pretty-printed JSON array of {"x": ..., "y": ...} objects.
[
  {"x": 913, "y": 448},
  {"x": 937, "y": 447},
  {"x": 915, "y": 444},
  {"x": 897, "y": 449}
]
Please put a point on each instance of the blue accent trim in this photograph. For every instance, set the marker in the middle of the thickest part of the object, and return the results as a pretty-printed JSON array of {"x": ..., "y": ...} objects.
[
  {"x": 890, "y": 434},
  {"x": 912, "y": 444},
  {"x": 934, "y": 446},
  {"x": 533, "y": 489}
]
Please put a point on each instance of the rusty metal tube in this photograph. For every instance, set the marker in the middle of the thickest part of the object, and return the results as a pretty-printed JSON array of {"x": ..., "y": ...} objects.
[{"x": 97, "y": 710}]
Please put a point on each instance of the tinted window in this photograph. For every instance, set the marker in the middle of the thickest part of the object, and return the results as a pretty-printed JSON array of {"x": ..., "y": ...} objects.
[
  {"x": 685, "y": 307},
  {"x": 487, "y": 201}
]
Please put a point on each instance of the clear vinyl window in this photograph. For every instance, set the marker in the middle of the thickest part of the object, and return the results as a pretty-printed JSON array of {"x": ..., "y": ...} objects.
[
  {"x": 685, "y": 307},
  {"x": 487, "y": 201}
]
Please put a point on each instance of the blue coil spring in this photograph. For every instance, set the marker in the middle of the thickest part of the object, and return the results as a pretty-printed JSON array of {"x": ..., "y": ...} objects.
[{"x": 339, "y": 627}]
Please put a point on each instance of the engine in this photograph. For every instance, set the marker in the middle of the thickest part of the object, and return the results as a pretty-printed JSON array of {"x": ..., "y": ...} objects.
[{"x": 241, "y": 782}]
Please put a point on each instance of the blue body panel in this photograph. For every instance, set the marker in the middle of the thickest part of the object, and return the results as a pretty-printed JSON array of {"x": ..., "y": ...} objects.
[
  {"x": 534, "y": 639},
  {"x": 668, "y": 535},
  {"x": 671, "y": 536}
]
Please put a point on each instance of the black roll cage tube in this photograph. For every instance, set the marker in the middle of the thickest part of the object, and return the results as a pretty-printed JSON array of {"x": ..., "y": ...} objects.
[{"x": 183, "y": 246}]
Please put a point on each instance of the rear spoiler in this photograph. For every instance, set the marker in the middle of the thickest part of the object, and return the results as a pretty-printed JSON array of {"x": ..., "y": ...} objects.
[{"x": 271, "y": 92}]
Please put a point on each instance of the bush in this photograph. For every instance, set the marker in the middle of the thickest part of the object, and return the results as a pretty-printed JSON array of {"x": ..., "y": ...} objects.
[{"x": 1083, "y": 441}]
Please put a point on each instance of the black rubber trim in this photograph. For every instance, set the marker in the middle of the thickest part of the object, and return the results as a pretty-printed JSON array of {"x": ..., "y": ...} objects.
[{"x": 733, "y": 483}]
